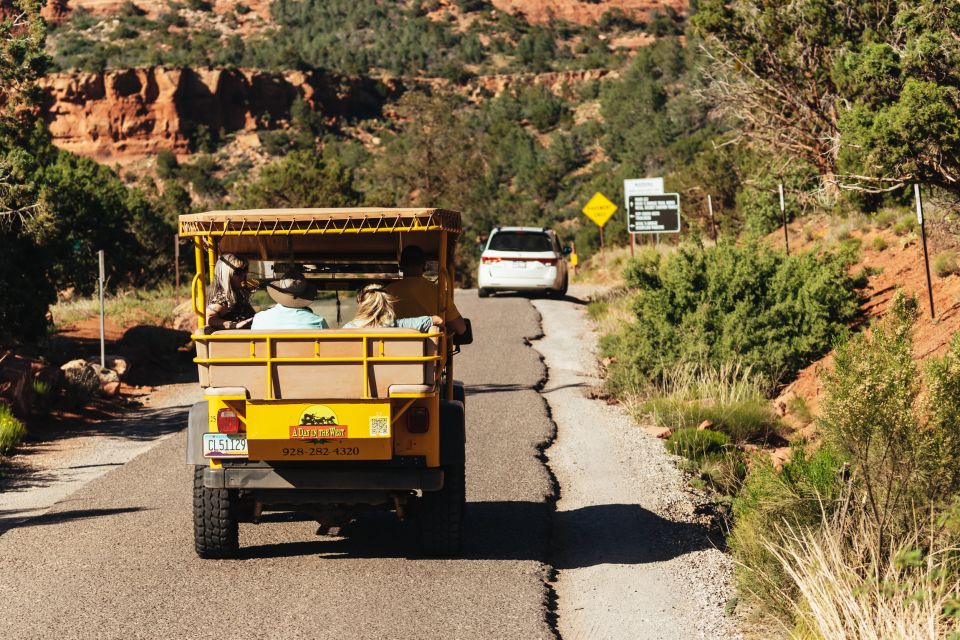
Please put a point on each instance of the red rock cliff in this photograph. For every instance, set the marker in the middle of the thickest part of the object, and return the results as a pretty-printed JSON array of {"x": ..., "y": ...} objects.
[{"x": 118, "y": 116}]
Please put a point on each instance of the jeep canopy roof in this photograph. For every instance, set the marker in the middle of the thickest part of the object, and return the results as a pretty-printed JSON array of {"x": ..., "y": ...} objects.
[{"x": 272, "y": 233}]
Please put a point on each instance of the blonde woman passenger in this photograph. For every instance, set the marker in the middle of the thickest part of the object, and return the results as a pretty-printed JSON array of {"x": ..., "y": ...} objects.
[
  {"x": 229, "y": 301},
  {"x": 375, "y": 309}
]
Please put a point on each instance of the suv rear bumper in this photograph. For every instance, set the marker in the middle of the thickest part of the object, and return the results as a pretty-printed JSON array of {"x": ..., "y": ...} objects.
[{"x": 313, "y": 480}]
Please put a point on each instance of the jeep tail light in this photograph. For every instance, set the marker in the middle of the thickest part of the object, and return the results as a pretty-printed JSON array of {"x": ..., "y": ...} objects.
[
  {"x": 490, "y": 259},
  {"x": 228, "y": 421},
  {"x": 548, "y": 261},
  {"x": 418, "y": 420}
]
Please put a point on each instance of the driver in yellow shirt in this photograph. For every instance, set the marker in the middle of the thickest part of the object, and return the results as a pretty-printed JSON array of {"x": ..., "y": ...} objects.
[{"x": 417, "y": 296}]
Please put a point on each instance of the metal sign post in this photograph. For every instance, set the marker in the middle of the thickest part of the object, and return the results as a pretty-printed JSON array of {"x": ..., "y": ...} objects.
[
  {"x": 103, "y": 349},
  {"x": 176, "y": 266},
  {"x": 923, "y": 238},
  {"x": 783, "y": 214}
]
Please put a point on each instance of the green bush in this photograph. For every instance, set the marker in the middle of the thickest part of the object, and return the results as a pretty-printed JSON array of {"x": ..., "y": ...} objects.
[
  {"x": 903, "y": 448},
  {"x": 696, "y": 445},
  {"x": 12, "y": 430},
  {"x": 42, "y": 397},
  {"x": 905, "y": 224},
  {"x": 731, "y": 303},
  {"x": 798, "y": 495},
  {"x": 879, "y": 243},
  {"x": 945, "y": 264}
]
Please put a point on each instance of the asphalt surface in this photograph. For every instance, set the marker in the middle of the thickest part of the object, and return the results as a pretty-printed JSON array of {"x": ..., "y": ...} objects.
[{"x": 115, "y": 559}]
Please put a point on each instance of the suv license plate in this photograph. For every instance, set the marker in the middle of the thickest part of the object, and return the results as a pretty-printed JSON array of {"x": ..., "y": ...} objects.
[
  {"x": 224, "y": 445},
  {"x": 519, "y": 264}
]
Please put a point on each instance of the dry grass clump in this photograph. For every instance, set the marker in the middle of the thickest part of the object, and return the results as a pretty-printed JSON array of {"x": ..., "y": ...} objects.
[
  {"x": 854, "y": 583},
  {"x": 126, "y": 307},
  {"x": 730, "y": 396},
  {"x": 945, "y": 264}
]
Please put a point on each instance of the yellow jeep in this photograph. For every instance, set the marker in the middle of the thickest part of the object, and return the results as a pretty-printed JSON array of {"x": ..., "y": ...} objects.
[{"x": 326, "y": 421}]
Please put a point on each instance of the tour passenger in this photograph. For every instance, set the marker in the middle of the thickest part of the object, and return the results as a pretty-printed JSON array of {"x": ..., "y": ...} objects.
[
  {"x": 416, "y": 295},
  {"x": 375, "y": 308},
  {"x": 229, "y": 306},
  {"x": 293, "y": 295}
]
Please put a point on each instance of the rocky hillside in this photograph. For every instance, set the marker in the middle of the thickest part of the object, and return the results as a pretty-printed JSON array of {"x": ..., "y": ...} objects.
[{"x": 121, "y": 116}]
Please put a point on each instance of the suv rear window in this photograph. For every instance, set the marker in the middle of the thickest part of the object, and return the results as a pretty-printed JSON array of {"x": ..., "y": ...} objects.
[{"x": 520, "y": 241}]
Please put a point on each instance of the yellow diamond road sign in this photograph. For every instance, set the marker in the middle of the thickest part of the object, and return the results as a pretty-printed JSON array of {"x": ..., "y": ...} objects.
[{"x": 599, "y": 209}]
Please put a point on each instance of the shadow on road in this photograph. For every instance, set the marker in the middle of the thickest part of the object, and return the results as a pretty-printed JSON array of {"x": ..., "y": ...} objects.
[
  {"x": 533, "y": 295},
  {"x": 140, "y": 427},
  {"x": 477, "y": 389},
  {"x": 596, "y": 535},
  {"x": 16, "y": 518}
]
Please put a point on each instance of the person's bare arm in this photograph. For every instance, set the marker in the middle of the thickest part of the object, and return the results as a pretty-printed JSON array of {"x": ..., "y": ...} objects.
[{"x": 214, "y": 321}]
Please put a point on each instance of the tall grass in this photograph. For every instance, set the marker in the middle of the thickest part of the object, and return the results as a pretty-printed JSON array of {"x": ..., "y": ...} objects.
[
  {"x": 731, "y": 396},
  {"x": 854, "y": 583},
  {"x": 126, "y": 307},
  {"x": 12, "y": 430}
]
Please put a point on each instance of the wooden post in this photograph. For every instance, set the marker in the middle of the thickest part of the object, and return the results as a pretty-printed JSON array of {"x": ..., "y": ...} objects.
[
  {"x": 601, "y": 245},
  {"x": 923, "y": 238},
  {"x": 176, "y": 266},
  {"x": 103, "y": 347},
  {"x": 783, "y": 214},
  {"x": 633, "y": 244},
  {"x": 713, "y": 223}
]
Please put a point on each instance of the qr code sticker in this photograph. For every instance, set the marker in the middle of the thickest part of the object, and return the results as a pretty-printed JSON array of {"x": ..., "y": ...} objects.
[{"x": 379, "y": 426}]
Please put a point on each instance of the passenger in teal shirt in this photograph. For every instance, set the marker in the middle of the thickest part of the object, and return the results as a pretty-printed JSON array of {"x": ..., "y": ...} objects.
[{"x": 293, "y": 295}]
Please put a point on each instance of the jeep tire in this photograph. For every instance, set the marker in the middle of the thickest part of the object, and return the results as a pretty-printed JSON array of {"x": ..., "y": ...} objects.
[
  {"x": 215, "y": 530},
  {"x": 441, "y": 514}
]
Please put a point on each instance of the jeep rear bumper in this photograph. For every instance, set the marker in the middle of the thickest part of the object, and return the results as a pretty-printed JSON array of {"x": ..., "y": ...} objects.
[{"x": 254, "y": 478}]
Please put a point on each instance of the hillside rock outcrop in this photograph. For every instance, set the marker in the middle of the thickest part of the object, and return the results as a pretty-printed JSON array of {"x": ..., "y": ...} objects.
[
  {"x": 118, "y": 116},
  {"x": 585, "y": 11}
]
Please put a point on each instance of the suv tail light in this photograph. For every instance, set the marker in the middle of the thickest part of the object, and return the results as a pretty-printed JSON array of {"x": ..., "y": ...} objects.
[
  {"x": 548, "y": 261},
  {"x": 490, "y": 259},
  {"x": 228, "y": 421},
  {"x": 418, "y": 420}
]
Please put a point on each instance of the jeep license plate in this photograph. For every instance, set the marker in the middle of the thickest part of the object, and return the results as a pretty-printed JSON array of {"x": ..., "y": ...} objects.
[{"x": 224, "y": 445}]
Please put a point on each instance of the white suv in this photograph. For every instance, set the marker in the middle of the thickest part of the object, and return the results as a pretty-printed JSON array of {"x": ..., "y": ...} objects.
[{"x": 523, "y": 259}]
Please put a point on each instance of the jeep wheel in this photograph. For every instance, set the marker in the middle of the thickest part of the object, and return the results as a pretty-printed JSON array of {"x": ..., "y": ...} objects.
[
  {"x": 215, "y": 530},
  {"x": 441, "y": 514}
]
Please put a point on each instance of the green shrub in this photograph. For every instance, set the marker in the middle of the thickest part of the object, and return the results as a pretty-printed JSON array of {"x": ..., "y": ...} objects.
[
  {"x": 879, "y": 243},
  {"x": 749, "y": 304},
  {"x": 798, "y": 495},
  {"x": 903, "y": 449},
  {"x": 167, "y": 164},
  {"x": 885, "y": 218},
  {"x": 696, "y": 445},
  {"x": 42, "y": 397},
  {"x": 12, "y": 430},
  {"x": 945, "y": 264},
  {"x": 905, "y": 225}
]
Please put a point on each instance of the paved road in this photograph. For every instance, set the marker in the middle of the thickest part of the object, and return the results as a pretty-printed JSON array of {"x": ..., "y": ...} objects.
[{"x": 116, "y": 560}]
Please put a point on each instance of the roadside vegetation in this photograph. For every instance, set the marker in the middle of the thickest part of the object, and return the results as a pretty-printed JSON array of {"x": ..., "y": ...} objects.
[{"x": 155, "y": 306}]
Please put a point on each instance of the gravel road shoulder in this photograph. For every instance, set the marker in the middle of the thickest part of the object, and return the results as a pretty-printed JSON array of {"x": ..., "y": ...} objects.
[{"x": 632, "y": 559}]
